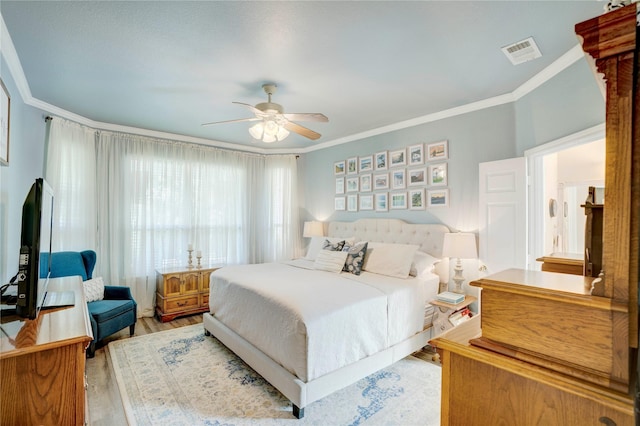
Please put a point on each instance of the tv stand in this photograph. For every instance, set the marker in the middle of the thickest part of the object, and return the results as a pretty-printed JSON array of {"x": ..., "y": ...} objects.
[{"x": 42, "y": 363}]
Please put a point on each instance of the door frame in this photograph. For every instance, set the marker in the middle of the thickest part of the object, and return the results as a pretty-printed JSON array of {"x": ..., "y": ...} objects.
[{"x": 535, "y": 180}]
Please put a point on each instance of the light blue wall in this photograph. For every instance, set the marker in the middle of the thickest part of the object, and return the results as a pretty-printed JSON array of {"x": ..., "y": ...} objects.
[
  {"x": 568, "y": 103},
  {"x": 564, "y": 105},
  {"x": 26, "y": 158}
]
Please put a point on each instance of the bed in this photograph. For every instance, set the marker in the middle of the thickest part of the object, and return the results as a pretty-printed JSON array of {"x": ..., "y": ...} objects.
[{"x": 310, "y": 330}]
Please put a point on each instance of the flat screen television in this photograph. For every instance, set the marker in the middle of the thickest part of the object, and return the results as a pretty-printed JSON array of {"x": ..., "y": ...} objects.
[{"x": 35, "y": 249}]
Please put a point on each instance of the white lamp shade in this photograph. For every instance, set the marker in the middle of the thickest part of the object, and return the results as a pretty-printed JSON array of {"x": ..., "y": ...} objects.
[
  {"x": 461, "y": 245},
  {"x": 313, "y": 229}
]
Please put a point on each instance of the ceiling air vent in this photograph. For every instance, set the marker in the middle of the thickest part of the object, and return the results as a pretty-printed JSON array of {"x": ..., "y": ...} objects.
[{"x": 522, "y": 51}]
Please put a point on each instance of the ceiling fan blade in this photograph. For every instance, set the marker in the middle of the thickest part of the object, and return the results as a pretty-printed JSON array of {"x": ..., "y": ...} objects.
[
  {"x": 232, "y": 121},
  {"x": 250, "y": 107},
  {"x": 306, "y": 116},
  {"x": 301, "y": 130}
]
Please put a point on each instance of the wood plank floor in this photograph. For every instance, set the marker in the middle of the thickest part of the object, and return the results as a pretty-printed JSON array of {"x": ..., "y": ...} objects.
[{"x": 105, "y": 404}]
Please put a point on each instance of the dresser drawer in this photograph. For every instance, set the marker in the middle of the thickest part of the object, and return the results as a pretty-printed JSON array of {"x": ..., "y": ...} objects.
[{"x": 178, "y": 303}]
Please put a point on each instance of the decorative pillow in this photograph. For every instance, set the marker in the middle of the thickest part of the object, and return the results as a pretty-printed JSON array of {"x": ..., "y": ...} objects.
[
  {"x": 94, "y": 289},
  {"x": 329, "y": 260},
  {"x": 393, "y": 260},
  {"x": 317, "y": 243},
  {"x": 333, "y": 246},
  {"x": 422, "y": 263},
  {"x": 355, "y": 257}
]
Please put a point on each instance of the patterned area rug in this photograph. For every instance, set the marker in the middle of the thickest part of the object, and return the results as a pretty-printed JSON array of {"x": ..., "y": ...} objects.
[{"x": 182, "y": 377}]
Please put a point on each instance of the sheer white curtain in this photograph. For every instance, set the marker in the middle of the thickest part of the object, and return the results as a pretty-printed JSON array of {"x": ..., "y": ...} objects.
[
  {"x": 71, "y": 172},
  {"x": 144, "y": 200}
]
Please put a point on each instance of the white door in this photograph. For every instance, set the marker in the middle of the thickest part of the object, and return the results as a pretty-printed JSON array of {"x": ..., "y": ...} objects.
[{"x": 503, "y": 214}]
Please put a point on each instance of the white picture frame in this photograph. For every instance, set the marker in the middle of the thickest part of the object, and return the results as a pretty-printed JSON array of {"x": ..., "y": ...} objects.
[
  {"x": 398, "y": 200},
  {"x": 438, "y": 198},
  {"x": 438, "y": 174},
  {"x": 398, "y": 180},
  {"x": 339, "y": 167},
  {"x": 353, "y": 184},
  {"x": 339, "y": 203},
  {"x": 352, "y": 166},
  {"x": 380, "y": 161},
  {"x": 398, "y": 158},
  {"x": 340, "y": 185},
  {"x": 5, "y": 118},
  {"x": 352, "y": 203},
  {"x": 416, "y": 155},
  {"x": 366, "y": 202},
  {"x": 438, "y": 151},
  {"x": 417, "y": 177},
  {"x": 381, "y": 199},
  {"x": 381, "y": 181},
  {"x": 416, "y": 199},
  {"x": 365, "y": 164},
  {"x": 366, "y": 183}
]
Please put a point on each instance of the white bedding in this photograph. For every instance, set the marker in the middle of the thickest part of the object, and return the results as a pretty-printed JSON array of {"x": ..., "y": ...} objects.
[{"x": 313, "y": 322}]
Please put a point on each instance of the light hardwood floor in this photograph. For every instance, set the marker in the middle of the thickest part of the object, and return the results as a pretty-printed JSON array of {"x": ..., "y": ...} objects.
[{"x": 105, "y": 405}]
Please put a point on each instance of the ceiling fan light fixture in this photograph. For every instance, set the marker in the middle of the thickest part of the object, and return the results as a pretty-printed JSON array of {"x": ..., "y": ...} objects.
[
  {"x": 268, "y": 131},
  {"x": 282, "y": 133},
  {"x": 257, "y": 130}
]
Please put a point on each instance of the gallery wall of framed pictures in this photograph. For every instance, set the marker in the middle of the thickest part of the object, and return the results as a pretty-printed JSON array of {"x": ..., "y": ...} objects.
[{"x": 414, "y": 178}]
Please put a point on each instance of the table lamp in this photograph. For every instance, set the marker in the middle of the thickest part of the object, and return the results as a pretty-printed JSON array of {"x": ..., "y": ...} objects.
[
  {"x": 460, "y": 245},
  {"x": 313, "y": 229}
]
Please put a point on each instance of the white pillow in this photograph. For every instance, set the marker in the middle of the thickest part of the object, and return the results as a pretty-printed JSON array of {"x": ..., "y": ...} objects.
[
  {"x": 315, "y": 246},
  {"x": 422, "y": 263},
  {"x": 94, "y": 289},
  {"x": 329, "y": 260},
  {"x": 393, "y": 260}
]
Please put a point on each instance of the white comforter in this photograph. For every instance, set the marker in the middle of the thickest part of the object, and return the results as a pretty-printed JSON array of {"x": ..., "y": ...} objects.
[{"x": 313, "y": 322}]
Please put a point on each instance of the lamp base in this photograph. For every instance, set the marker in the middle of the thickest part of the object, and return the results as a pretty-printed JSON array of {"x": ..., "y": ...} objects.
[{"x": 458, "y": 278}]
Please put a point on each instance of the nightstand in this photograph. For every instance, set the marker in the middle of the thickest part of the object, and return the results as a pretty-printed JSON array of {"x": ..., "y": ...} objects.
[{"x": 443, "y": 311}]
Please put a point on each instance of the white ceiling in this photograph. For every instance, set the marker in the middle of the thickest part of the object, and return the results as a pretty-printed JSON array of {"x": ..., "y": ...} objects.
[{"x": 169, "y": 66}]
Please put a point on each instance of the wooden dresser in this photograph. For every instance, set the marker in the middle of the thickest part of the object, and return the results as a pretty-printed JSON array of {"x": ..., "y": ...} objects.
[
  {"x": 42, "y": 363},
  {"x": 553, "y": 348},
  {"x": 566, "y": 263},
  {"x": 181, "y": 291}
]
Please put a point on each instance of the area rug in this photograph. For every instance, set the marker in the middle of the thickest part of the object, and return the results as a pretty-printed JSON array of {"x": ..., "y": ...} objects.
[{"x": 182, "y": 377}]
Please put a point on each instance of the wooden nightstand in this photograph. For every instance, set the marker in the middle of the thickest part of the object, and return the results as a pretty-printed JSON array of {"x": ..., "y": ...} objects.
[
  {"x": 443, "y": 311},
  {"x": 181, "y": 291}
]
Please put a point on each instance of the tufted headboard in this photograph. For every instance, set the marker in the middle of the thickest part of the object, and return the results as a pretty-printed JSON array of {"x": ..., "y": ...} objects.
[{"x": 429, "y": 237}]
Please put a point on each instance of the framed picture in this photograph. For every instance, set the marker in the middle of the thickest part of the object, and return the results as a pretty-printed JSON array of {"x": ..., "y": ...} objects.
[
  {"x": 398, "y": 158},
  {"x": 416, "y": 155},
  {"x": 398, "y": 179},
  {"x": 339, "y": 203},
  {"x": 366, "y": 202},
  {"x": 380, "y": 160},
  {"x": 437, "y": 151},
  {"x": 352, "y": 166},
  {"x": 417, "y": 177},
  {"x": 381, "y": 181},
  {"x": 398, "y": 200},
  {"x": 338, "y": 168},
  {"x": 438, "y": 198},
  {"x": 5, "y": 115},
  {"x": 416, "y": 199},
  {"x": 340, "y": 185},
  {"x": 438, "y": 174},
  {"x": 352, "y": 184},
  {"x": 381, "y": 202},
  {"x": 365, "y": 183},
  {"x": 352, "y": 203},
  {"x": 366, "y": 164}
]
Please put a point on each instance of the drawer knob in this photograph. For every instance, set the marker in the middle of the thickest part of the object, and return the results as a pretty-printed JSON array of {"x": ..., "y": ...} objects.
[{"x": 607, "y": 421}]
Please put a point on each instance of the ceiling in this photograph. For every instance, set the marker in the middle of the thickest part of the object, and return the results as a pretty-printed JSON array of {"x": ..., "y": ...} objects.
[{"x": 169, "y": 66}]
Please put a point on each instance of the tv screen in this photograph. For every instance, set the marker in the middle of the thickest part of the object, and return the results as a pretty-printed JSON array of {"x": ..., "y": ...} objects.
[{"x": 35, "y": 249}]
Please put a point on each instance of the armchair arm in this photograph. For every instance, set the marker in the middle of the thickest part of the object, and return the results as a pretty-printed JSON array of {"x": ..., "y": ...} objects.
[{"x": 113, "y": 292}]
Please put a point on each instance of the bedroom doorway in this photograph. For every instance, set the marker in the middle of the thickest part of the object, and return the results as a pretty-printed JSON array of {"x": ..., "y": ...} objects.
[{"x": 560, "y": 173}]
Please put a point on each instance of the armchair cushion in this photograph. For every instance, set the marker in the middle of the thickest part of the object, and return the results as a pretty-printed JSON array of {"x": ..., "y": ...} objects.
[{"x": 94, "y": 289}]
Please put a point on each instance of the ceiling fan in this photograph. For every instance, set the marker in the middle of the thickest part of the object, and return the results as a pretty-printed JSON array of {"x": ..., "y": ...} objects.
[{"x": 273, "y": 123}]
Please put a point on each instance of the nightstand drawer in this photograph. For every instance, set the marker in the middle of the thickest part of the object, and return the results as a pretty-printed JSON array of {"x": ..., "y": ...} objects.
[{"x": 178, "y": 304}]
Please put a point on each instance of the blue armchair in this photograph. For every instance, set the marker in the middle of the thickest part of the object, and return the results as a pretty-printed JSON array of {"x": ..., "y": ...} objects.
[{"x": 118, "y": 309}]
